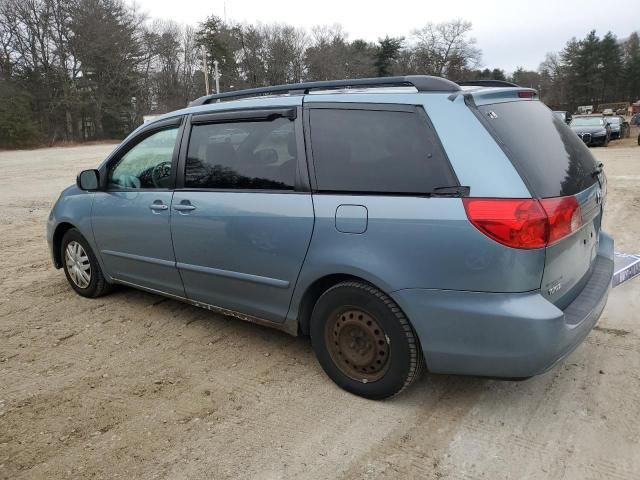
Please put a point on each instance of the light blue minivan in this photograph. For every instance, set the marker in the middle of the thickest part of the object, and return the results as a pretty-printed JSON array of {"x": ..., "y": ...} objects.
[{"x": 400, "y": 222}]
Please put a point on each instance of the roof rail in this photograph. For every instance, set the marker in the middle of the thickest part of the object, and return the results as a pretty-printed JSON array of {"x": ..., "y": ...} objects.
[
  {"x": 422, "y": 83},
  {"x": 486, "y": 83}
]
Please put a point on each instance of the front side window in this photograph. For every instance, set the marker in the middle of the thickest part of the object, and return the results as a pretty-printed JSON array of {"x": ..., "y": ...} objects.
[
  {"x": 376, "y": 151},
  {"x": 257, "y": 155},
  {"x": 147, "y": 165}
]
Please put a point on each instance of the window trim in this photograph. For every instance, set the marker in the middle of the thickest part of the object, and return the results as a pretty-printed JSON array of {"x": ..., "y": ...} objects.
[
  {"x": 247, "y": 115},
  {"x": 294, "y": 114},
  {"x": 417, "y": 110},
  {"x": 146, "y": 132}
]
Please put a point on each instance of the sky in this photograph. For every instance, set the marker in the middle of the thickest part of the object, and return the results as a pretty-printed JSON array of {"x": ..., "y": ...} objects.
[{"x": 510, "y": 33}]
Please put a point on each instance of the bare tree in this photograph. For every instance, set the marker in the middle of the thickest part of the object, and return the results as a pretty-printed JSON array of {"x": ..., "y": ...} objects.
[
  {"x": 327, "y": 53},
  {"x": 445, "y": 49}
]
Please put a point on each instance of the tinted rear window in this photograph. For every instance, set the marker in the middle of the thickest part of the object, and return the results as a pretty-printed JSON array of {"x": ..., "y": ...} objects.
[
  {"x": 550, "y": 157},
  {"x": 376, "y": 151},
  {"x": 242, "y": 155}
]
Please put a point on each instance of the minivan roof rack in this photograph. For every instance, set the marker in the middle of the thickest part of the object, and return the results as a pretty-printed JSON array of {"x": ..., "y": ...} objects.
[
  {"x": 422, "y": 83},
  {"x": 486, "y": 83}
]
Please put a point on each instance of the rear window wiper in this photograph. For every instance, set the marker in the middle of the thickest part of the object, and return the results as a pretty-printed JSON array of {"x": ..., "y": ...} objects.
[
  {"x": 598, "y": 170},
  {"x": 451, "y": 191}
]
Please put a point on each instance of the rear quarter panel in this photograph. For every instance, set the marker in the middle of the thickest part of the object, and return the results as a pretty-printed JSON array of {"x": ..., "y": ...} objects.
[{"x": 414, "y": 242}]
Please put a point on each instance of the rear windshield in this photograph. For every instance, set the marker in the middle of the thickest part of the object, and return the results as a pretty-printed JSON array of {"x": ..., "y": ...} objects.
[{"x": 550, "y": 157}]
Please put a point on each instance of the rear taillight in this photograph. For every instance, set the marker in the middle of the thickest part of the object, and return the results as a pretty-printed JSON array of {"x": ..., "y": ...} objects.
[
  {"x": 564, "y": 217},
  {"x": 524, "y": 223}
]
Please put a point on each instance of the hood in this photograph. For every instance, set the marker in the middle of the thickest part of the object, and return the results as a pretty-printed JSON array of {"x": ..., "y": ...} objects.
[{"x": 588, "y": 129}]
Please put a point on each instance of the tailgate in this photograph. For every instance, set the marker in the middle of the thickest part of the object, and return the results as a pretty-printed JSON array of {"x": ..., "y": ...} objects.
[
  {"x": 569, "y": 262},
  {"x": 555, "y": 164}
]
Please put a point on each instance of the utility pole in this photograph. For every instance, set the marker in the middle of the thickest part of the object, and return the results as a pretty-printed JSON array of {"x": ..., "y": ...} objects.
[
  {"x": 216, "y": 75},
  {"x": 206, "y": 71}
]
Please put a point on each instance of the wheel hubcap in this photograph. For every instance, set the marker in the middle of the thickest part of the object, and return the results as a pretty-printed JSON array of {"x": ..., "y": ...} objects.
[
  {"x": 357, "y": 344},
  {"x": 78, "y": 265}
]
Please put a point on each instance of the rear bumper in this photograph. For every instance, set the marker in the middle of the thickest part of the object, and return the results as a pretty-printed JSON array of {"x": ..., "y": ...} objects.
[{"x": 505, "y": 334}]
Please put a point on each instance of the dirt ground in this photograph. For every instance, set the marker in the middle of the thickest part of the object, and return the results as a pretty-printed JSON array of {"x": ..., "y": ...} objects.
[{"x": 136, "y": 386}]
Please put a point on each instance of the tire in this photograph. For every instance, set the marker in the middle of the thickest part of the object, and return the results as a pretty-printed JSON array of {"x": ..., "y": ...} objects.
[
  {"x": 81, "y": 255},
  {"x": 606, "y": 141},
  {"x": 364, "y": 342}
]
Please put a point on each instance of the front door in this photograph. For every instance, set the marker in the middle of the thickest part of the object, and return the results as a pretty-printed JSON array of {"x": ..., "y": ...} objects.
[
  {"x": 130, "y": 218},
  {"x": 241, "y": 225}
]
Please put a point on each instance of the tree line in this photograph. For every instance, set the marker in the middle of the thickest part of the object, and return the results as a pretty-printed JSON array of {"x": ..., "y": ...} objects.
[{"x": 75, "y": 70}]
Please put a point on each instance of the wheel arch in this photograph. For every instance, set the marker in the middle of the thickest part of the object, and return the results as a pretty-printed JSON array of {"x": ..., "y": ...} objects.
[
  {"x": 61, "y": 229},
  {"x": 315, "y": 289}
]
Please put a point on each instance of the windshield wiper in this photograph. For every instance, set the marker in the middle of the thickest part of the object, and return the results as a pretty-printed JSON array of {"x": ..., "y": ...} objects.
[
  {"x": 451, "y": 191},
  {"x": 598, "y": 170}
]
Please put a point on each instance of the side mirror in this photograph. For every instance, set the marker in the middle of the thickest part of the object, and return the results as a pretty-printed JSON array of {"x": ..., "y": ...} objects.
[
  {"x": 266, "y": 156},
  {"x": 88, "y": 180}
]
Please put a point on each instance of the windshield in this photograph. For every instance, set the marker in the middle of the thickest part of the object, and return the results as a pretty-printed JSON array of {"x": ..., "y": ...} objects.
[
  {"x": 586, "y": 122},
  {"x": 548, "y": 155},
  {"x": 615, "y": 120}
]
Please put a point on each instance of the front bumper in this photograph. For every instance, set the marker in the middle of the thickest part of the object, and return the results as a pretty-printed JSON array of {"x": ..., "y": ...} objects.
[
  {"x": 50, "y": 231},
  {"x": 505, "y": 334},
  {"x": 597, "y": 140}
]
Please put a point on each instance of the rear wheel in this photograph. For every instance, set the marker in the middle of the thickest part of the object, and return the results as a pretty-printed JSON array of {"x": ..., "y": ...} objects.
[
  {"x": 81, "y": 266},
  {"x": 364, "y": 342}
]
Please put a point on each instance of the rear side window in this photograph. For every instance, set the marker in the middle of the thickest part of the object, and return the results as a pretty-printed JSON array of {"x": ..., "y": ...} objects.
[
  {"x": 376, "y": 151},
  {"x": 550, "y": 157},
  {"x": 242, "y": 155}
]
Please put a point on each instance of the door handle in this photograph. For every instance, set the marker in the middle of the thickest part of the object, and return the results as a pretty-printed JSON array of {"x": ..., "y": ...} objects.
[
  {"x": 184, "y": 207},
  {"x": 158, "y": 206}
]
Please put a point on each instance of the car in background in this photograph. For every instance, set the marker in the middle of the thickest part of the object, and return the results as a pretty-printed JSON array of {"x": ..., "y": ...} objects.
[
  {"x": 619, "y": 127},
  {"x": 607, "y": 112},
  {"x": 563, "y": 115},
  {"x": 585, "y": 110},
  {"x": 594, "y": 130}
]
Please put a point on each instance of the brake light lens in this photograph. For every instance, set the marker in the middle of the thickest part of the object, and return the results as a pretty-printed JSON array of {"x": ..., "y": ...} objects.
[
  {"x": 564, "y": 217},
  {"x": 526, "y": 94},
  {"x": 524, "y": 223}
]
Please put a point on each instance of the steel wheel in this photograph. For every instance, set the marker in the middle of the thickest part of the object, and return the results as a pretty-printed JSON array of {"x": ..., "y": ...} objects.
[
  {"x": 78, "y": 265},
  {"x": 357, "y": 344}
]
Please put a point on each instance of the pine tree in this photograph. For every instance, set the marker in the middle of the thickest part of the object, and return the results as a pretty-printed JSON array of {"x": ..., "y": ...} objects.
[
  {"x": 387, "y": 51},
  {"x": 632, "y": 67}
]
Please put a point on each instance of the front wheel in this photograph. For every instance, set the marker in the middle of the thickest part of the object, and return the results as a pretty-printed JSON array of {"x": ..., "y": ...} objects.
[
  {"x": 81, "y": 266},
  {"x": 364, "y": 342}
]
